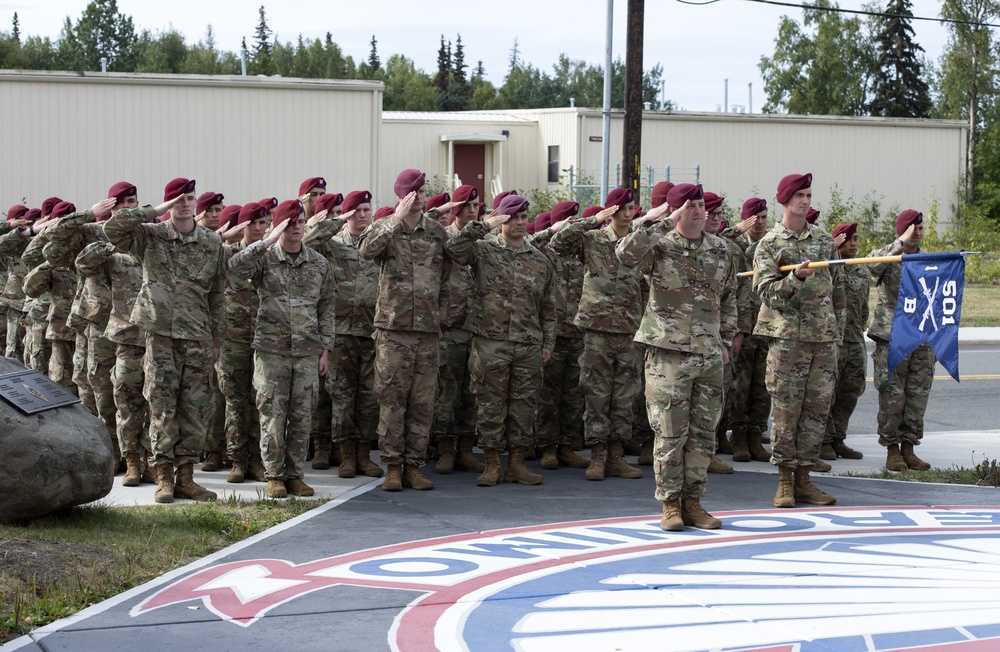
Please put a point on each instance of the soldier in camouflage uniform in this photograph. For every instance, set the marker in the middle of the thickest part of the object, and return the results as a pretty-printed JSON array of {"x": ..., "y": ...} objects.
[
  {"x": 12, "y": 245},
  {"x": 293, "y": 337},
  {"x": 803, "y": 313},
  {"x": 181, "y": 308},
  {"x": 902, "y": 392},
  {"x": 609, "y": 314},
  {"x": 14, "y": 221},
  {"x": 559, "y": 419},
  {"x": 309, "y": 191},
  {"x": 688, "y": 327},
  {"x": 513, "y": 317},
  {"x": 408, "y": 248},
  {"x": 37, "y": 349},
  {"x": 851, "y": 365}
]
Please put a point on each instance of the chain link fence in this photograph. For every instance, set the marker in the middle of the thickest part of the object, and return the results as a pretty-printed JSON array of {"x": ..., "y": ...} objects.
[{"x": 585, "y": 186}]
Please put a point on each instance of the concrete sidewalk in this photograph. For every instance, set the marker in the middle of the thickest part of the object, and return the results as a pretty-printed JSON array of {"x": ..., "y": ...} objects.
[{"x": 979, "y": 335}]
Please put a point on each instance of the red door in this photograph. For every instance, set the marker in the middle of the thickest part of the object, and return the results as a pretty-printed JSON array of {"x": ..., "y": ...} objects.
[{"x": 470, "y": 164}]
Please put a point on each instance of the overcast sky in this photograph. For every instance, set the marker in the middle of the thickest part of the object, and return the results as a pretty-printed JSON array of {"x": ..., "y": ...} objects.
[{"x": 698, "y": 46}]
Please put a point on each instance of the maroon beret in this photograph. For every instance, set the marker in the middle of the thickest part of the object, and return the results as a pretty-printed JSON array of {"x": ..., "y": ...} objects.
[
  {"x": 287, "y": 210},
  {"x": 230, "y": 216},
  {"x": 121, "y": 190},
  {"x": 178, "y": 187},
  {"x": 619, "y": 197},
  {"x": 49, "y": 204},
  {"x": 33, "y": 214},
  {"x": 723, "y": 225},
  {"x": 310, "y": 183},
  {"x": 660, "y": 191},
  {"x": 437, "y": 201},
  {"x": 482, "y": 209},
  {"x": 683, "y": 192},
  {"x": 638, "y": 212},
  {"x": 791, "y": 184},
  {"x": 713, "y": 202},
  {"x": 355, "y": 198},
  {"x": 269, "y": 203},
  {"x": 752, "y": 206},
  {"x": 208, "y": 199},
  {"x": 63, "y": 209},
  {"x": 906, "y": 218},
  {"x": 512, "y": 205},
  {"x": 812, "y": 216},
  {"x": 531, "y": 228},
  {"x": 543, "y": 221},
  {"x": 409, "y": 180},
  {"x": 847, "y": 229},
  {"x": 385, "y": 211},
  {"x": 252, "y": 211},
  {"x": 564, "y": 210},
  {"x": 463, "y": 195},
  {"x": 591, "y": 211},
  {"x": 329, "y": 201},
  {"x": 16, "y": 212},
  {"x": 499, "y": 198}
]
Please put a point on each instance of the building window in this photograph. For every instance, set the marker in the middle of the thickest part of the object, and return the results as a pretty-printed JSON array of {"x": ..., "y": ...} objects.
[{"x": 553, "y": 163}]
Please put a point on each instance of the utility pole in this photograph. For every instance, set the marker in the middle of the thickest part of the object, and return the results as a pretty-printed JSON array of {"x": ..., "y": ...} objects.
[
  {"x": 606, "y": 112},
  {"x": 632, "y": 149}
]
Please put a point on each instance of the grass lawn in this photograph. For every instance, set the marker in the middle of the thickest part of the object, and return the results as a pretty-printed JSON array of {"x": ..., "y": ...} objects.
[{"x": 980, "y": 305}]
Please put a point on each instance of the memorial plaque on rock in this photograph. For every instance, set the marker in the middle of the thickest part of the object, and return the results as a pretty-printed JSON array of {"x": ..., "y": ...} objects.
[{"x": 32, "y": 392}]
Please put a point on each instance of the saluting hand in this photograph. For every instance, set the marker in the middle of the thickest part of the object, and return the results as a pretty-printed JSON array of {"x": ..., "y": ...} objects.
[
  {"x": 234, "y": 232},
  {"x": 907, "y": 237},
  {"x": 676, "y": 215},
  {"x": 840, "y": 239},
  {"x": 103, "y": 206},
  {"x": 166, "y": 206},
  {"x": 496, "y": 220},
  {"x": 318, "y": 217},
  {"x": 276, "y": 233},
  {"x": 405, "y": 204},
  {"x": 747, "y": 224},
  {"x": 603, "y": 216}
]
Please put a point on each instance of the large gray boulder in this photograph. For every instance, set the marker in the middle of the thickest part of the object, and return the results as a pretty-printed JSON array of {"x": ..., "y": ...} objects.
[{"x": 50, "y": 460}]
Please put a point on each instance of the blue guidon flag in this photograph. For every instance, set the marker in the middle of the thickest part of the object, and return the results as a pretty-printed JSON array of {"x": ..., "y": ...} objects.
[{"x": 929, "y": 308}]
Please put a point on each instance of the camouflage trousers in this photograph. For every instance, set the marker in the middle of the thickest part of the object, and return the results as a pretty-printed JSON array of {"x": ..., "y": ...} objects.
[
  {"x": 61, "y": 368},
  {"x": 234, "y": 369},
  {"x": 15, "y": 334},
  {"x": 37, "y": 346},
  {"x": 321, "y": 427},
  {"x": 286, "y": 389},
  {"x": 851, "y": 370},
  {"x": 506, "y": 378},
  {"x": 351, "y": 384},
  {"x": 132, "y": 417},
  {"x": 902, "y": 396},
  {"x": 609, "y": 379},
  {"x": 80, "y": 380},
  {"x": 178, "y": 388},
  {"x": 100, "y": 365},
  {"x": 215, "y": 438},
  {"x": 641, "y": 430},
  {"x": 751, "y": 403},
  {"x": 455, "y": 407},
  {"x": 684, "y": 400},
  {"x": 800, "y": 379},
  {"x": 406, "y": 371},
  {"x": 559, "y": 419}
]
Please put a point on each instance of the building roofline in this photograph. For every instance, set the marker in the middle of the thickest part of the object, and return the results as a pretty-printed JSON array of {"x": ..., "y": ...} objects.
[{"x": 156, "y": 79}]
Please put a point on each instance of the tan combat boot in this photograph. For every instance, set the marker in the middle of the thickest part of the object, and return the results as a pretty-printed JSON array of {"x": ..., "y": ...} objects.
[
  {"x": 757, "y": 452},
  {"x": 238, "y": 473},
  {"x": 148, "y": 471},
  {"x": 348, "y": 466},
  {"x": 826, "y": 451},
  {"x": 550, "y": 460},
  {"x": 569, "y": 459},
  {"x": 363, "y": 461},
  {"x": 517, "y": 471},
  {"x": 911, "y": 459},
  {"x": 446, "y": 457},
  {"x": 276, "y": 489},
  {"x": 321, "y": 454},
  {"x": 820, "y": 466},
  {"x": 213, "y": 462},
  {"x": 165, "y": 485},
  {"x": 466, "y": 460},
  {"x": 116, "y": 455},
  {"x": 393, "y": 478},
  {"x": 646, "y": 453},
  {"x": 715, "y": 465},
  {"x": 296, "y": 487},
  {"x": 671, "y": 521},
  {"x": 741, "y": 450},
  {"x": 785, "y": 496},
  {"x": 693, "y": 514},
  {"x": 414, "y": 479},
  {"x": 186, "y": 487},
  {"x": 845, "y": 451},
  {"x": 133, "y": 470},
  {"x": 893, "y": 460},
  {"x": 595, "y": 470},
  {"x": 616, "y": 465},
  {"x": 491, "y": 470},
  {"x": 255, "y": 469},
  {"x": 807, "y": 492}
]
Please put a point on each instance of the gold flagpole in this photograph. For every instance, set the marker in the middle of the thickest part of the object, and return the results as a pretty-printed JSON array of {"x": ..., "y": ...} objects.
[{"x": 852, "y": 261}]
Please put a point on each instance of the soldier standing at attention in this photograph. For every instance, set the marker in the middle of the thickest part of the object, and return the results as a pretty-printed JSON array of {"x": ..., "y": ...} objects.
[
  {"x": 609, "y": 314},
  {"x": 309, "y": 191},
  {"x": 803, "y": 314},
  {"x": 513, "y": 317},
  {"x": 903, "y": 391},
  {"x": 687, "y": 327},
  {"x": 15, "y": 220},
  {"x": 181, "y": 308},
  {"x": 292, "y": 341},
  {"x": 12, "y": 245},
  {"x": 408, "y": 247}
]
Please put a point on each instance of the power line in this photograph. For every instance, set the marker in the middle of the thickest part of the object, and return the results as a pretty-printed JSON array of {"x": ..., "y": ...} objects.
[{"x": 859, "y": 12}]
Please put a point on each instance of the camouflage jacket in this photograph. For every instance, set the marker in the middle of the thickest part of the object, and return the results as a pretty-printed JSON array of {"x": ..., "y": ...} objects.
[
  {"x": 12, "y": 245},
  {"x": 183, "y": 276},
  {"x": 886, "y": 278},
  {"x": 856, "y": 280},
  {"x": 242, "y": 302},
  {"x": 357, "y": 279},
  {"x": 37, "y": 308},
  {"x": 569, "y": 276},
  {"x": 67, "y": 238},
  {"x": 813, "y": 310},
  {"x": 612, "y": 295},
  {"x": 692, "y": 294},
  {"x": 59, "y": 283},
  {"x": 461, "y": 287},
  {"x": 100, "y": 261},
  {"x": 297, "y": 314},
  {"x": 413, "y": 273},
  {"x": 514, "y": 298},
  {"x": 746, "y": 314}
]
